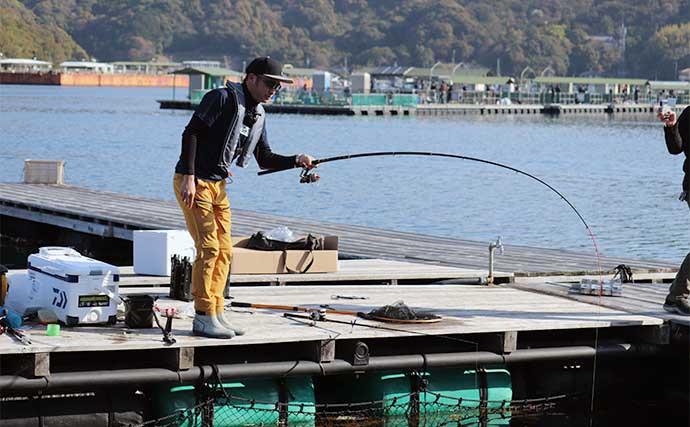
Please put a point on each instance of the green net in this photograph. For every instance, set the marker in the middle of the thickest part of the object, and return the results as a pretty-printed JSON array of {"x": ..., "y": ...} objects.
[{"x": 423, "y": 409}]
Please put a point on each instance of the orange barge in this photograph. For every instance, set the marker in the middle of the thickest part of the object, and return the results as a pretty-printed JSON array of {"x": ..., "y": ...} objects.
[{"x": 95, "y": 79}]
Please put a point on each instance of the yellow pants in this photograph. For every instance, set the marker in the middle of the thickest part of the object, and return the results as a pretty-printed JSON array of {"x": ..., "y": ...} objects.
[{"x": 208, "y": 221}]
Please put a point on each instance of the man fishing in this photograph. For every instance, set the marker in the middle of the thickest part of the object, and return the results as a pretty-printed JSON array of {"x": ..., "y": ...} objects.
[
  {"x": 677, "y": 136},
  {"x": 228, "y": 126}
]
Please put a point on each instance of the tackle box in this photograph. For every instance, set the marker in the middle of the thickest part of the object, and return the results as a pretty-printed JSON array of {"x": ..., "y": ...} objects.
[{"x": 77, "y": 288}]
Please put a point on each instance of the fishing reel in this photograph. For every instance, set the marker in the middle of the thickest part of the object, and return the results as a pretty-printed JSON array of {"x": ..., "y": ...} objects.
[
  {"x": 308, "y": 176},
  {"x": 317, "y": 315}
]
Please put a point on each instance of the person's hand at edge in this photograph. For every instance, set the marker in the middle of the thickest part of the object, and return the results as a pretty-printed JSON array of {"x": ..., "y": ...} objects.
[
  {"x": 305, "y": 161},
  {"x": 188, "y": 190},
  {"x": 668, "y": 118}
]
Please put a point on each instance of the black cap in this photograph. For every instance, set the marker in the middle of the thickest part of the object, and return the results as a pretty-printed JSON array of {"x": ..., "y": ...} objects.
[{"x": 267, "y": 67}]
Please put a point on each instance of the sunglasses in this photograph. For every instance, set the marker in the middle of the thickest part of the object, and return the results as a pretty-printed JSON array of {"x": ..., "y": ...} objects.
[{"x": 271, "y": 84}]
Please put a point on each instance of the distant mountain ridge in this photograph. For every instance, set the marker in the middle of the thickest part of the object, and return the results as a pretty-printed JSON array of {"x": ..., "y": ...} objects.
[{"x": 639, "y": 38}]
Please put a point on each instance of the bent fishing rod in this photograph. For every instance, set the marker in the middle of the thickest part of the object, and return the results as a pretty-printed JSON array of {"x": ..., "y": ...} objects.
[{"x": 308, "y": 176}]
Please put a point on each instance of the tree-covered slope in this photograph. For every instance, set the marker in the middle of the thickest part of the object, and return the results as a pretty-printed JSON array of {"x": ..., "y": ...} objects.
[
  {"x": 24, "y": 35},
  {"x": 645, "y": 38}
]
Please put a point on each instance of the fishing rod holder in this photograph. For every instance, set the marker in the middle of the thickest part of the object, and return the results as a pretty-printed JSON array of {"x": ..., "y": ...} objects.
[{"x": 498, "y": 244}]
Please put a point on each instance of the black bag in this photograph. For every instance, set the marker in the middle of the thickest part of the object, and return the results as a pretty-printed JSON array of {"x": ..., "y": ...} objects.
[
  {"x": 139, "y": 311},
  {"x": 259, "y": 241}
]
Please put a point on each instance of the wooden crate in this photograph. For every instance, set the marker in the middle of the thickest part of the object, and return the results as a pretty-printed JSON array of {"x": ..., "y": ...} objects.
[{"x": 44, "y": 171}]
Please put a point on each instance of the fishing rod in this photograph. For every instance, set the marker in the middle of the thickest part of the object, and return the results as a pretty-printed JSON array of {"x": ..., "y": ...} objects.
[
  {"x": 309, "y": 176},
  {"x": 380, "y": 314}
]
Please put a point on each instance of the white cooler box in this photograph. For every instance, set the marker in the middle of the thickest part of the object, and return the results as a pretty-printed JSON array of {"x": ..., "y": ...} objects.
[
  {"x": 154, "y": 248},
  {"x": 75, "y": 287}
]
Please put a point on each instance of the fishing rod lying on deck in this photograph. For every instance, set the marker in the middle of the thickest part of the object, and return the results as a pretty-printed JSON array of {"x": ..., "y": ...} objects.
[{"x": 308, "y": 176}]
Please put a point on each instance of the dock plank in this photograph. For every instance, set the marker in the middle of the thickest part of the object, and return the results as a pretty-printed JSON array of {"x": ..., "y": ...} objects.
[{"x": 352, "y": 271}]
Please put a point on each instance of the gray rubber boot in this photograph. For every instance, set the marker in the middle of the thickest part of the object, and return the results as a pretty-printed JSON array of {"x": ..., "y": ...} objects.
[
  {"x": 227, "y": 325},
  {"x": 210, "y": 326}
]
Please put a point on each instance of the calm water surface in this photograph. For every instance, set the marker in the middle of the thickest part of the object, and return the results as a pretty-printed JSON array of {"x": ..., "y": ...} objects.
[{"x": 616, "y": 171}]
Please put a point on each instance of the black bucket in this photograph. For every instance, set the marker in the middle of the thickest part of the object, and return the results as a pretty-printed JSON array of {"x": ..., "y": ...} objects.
[
  {"x": 180, "y": 278},
  {"x": 139, "y": 311}
]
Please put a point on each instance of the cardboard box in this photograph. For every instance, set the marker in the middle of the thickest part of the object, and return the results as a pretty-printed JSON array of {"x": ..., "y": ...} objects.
[
  {"x": 154, "y": 248},
  {"x": 250, "y": 261}
]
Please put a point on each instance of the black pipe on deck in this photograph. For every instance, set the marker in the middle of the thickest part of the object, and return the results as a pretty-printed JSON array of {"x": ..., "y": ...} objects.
[{"x": 148, "y": 376}]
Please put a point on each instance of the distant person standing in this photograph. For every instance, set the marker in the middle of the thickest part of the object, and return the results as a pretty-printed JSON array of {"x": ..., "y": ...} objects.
[
  {"x": 227, "y": 127},
  {"x": 677, "y": 135}
]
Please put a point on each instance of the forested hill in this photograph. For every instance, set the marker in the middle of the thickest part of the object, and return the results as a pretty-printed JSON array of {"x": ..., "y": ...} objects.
[
  {"x": 571, "y": 36},
  {"x": 24, "y": 35}
]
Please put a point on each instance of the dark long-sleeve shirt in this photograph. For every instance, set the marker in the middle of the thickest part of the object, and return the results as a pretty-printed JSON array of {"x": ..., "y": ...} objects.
[
  {"x": 197, "y": 129},
  {"x": 678, "y": 141},
  {"x": 197, "y": 132}
]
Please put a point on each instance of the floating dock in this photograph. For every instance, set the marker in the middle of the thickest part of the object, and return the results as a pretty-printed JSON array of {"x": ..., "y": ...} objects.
[
  {"x": 445, "y": 109},
  {"x": 465, "y": 310},
  {"x": 533, "y": 109},
  {"x": 550, "y": 341},
  {"x": 533, "y": 334}
]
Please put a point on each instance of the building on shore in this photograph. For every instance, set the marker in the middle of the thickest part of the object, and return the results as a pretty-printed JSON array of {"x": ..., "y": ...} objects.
[
  {"x": 446, "y": 72},
  {"x": 22, "y": 65},
  {"x": 303, "y": 77},
  {"x": 407, "y": 79},
  {"x": 141, "y": 67},
  {"x": 668, "y": 88},
  {"x": 610, "y": 90},
  {"x": 201, "y": 63},
  {"x": 85, "y": 66},
  {"x": 599, "y": 85},
  {"x": 203, "y": 79}
]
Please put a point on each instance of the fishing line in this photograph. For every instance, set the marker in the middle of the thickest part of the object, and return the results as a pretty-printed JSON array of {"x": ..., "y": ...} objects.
[{"x": 317, "y": 162}]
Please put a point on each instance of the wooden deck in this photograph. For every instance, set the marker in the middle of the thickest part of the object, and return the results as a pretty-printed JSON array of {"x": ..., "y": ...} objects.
[
  {"x": 466, "y": 310},
  {"x": 117, "y": 215},
  {"x": 641, "y": 298}
]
